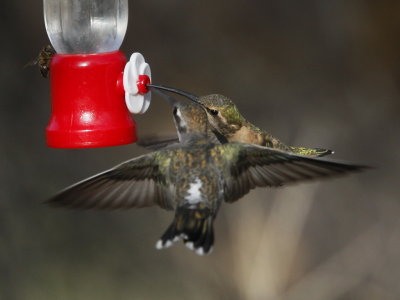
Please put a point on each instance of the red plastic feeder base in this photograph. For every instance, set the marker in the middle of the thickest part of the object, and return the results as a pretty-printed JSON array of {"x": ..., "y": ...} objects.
[{"x": 88, "y": 109}]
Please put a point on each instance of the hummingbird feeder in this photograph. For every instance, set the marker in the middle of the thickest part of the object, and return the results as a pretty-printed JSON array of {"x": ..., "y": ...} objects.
[{"x": 93, "y": 89}]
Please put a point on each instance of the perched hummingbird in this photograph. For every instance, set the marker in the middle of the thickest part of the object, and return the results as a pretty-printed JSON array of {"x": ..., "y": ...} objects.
[
  {"x": 227, "y": 121},
  {"x": 193, "y": 178}
]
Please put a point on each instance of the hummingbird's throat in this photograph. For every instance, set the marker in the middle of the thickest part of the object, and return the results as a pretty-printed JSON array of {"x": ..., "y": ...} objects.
[{"x": 180, "y": 123}]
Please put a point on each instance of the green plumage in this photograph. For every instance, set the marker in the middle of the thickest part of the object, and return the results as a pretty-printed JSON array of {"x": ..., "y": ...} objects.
[
  {"x": 225, "y": 117},
  {"x": 194, "y": 177}
]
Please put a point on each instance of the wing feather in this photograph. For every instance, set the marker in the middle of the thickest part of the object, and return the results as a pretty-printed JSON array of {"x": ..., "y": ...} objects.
[
  {"x": 255, "y": 166},
  {"x": 139, "y": 182}
]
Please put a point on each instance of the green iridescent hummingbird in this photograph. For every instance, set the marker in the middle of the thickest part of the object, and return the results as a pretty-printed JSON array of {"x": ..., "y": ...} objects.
[
  {"x": 193, "y": 178},
  {"x": 227, "y": 121}
]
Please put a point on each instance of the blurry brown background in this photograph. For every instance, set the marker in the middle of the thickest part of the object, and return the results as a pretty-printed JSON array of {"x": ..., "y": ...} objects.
[{"x": 314, "y": 73}]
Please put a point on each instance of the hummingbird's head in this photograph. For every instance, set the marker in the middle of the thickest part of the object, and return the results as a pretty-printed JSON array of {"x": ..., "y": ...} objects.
[
  {"x": 189, "y": 118},
  {"x": 222, "y": 113}
]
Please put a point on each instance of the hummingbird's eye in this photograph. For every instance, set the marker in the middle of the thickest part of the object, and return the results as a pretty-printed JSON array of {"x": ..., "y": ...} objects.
[
  {"x": 175, "y": 110},
  {"x": 213, "y": 112}
]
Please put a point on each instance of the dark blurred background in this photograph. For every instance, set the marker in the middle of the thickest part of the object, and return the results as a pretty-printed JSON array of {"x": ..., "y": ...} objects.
[{"x": 314, "y": 73}]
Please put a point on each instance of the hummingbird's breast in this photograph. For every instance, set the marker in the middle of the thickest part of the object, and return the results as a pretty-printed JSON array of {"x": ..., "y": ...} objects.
[
  {"x": 251, "y": 134},
  {"x": 247, "y": 135}
]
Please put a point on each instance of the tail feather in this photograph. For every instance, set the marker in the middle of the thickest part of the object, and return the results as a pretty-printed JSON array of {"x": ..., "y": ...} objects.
[
  {"x": 312, "y": 152},
  {"x": 194, "y": 227}
]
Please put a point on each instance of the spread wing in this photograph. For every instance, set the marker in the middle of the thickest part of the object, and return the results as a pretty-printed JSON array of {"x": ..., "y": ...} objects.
[
  {"x": 255, "y": 166},
  {"x": 136, "y": 183}
]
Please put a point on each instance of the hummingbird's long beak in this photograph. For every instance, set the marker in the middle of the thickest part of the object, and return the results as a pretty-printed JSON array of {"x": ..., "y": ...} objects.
[
  {"x": 179, "y": 92},
  {"x": 167, "y": 97}
]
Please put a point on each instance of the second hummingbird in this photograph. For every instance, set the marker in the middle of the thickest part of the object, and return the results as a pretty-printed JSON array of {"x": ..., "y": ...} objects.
[{"x": 231, "y": 126}]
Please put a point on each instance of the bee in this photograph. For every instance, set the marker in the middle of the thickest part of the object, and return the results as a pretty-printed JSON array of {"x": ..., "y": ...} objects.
[{"x": 43, "y": 60}]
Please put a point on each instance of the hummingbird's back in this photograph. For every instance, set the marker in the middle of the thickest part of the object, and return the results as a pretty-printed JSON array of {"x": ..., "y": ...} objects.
[
  {"x": 197, "y": 175},
  {"x": 198, "y": 194}
]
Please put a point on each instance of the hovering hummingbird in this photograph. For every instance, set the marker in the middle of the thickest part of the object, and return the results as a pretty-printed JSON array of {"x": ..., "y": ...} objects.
[
  {"x": 43, "y": 60},
  {"x": 193, "y": 178},
  {"x": 230, "y": 125}
]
